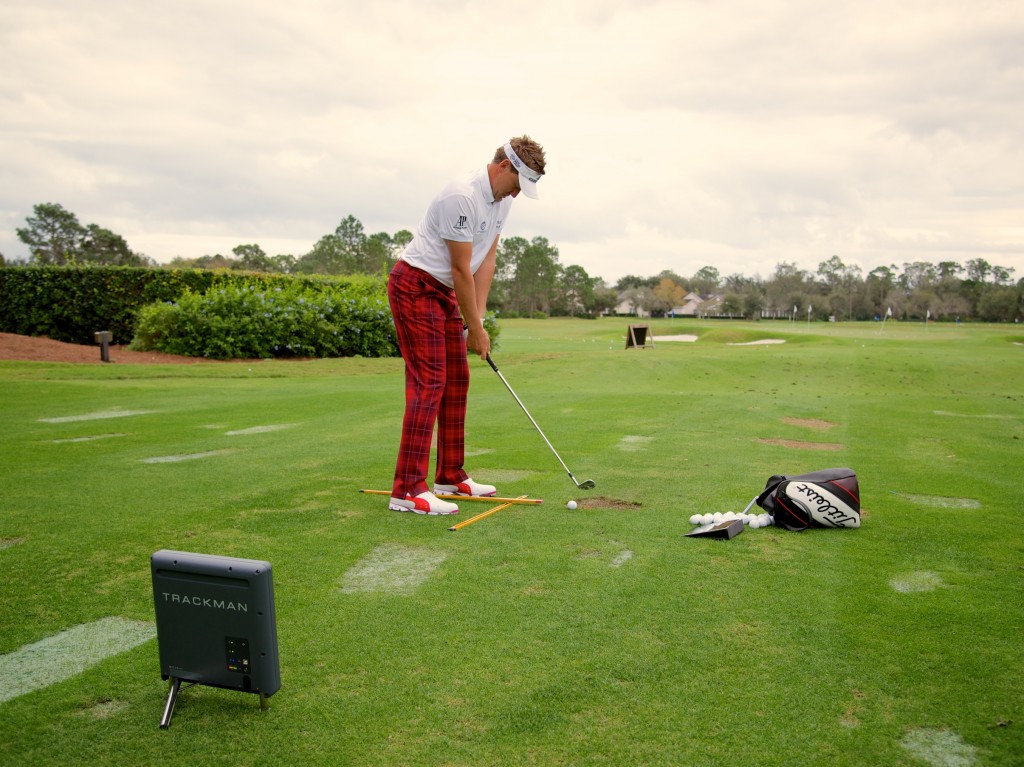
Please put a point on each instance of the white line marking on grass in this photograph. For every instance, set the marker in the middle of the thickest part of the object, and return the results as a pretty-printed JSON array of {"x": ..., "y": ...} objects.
[
  {"x": 940, "y": 748},
  {"x": 941, "y": 502},
  {"x": 681, "y": 338},
  {"x": 633, "y": 444},
  {"x": 622, "y": 558},
  {"x": 911, "y": 583},
  {"x": 62, "y": 656},
  {"x": 86, "y": 439},
  {"x": 179, "y": 458},
  {"x": 393, "y": 568},
  {"x": 996, "y": 416},
  {"x": 260, "y": 429},
  {"x": 98, "y": 416}
]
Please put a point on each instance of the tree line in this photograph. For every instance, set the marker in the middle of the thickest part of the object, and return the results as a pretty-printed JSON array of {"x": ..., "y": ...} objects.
[
  {"x": 918, "y": 290},
  {"x": 530, "y": 280}
]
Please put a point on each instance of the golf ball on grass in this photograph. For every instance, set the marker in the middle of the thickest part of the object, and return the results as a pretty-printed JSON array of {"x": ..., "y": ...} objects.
[
  {"x": 695, "y": 519},
  {"x": 571, "y": 505}
]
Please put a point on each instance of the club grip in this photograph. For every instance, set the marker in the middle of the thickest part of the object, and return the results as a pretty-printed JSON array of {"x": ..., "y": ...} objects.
[{"x": 491, "y": 363}]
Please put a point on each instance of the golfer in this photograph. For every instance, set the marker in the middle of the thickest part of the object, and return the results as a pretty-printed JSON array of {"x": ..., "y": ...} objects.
[{"x": 439, "y": 287}]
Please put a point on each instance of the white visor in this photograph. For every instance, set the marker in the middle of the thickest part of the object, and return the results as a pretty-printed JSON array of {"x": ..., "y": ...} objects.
[{"x": 528, "y": 177}]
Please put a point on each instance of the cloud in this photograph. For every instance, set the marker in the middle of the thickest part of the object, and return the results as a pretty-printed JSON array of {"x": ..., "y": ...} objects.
[{"x": 679, "y": 133}]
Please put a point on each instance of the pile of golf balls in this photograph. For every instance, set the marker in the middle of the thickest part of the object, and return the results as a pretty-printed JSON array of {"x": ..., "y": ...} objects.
[{"x": 750, "y": 520}]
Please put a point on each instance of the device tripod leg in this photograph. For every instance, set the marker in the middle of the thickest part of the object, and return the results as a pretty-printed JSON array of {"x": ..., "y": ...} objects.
[{"x": 165, "y": 721}]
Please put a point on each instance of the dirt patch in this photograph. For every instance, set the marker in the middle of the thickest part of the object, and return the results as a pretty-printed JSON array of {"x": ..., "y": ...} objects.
[
  {"x": 801, "y": 445},
  {"x": 607, "y": 503},
  {"x": 810, "y": 423},
  {"x": 34, "y": 349}
]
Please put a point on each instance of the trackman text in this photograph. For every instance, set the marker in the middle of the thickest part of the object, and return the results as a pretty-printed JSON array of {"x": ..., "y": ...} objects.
[{"x": 215, "y": 604}]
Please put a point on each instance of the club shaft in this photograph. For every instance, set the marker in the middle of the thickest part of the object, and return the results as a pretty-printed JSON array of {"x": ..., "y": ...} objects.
[{"x": 535, "y": 425}]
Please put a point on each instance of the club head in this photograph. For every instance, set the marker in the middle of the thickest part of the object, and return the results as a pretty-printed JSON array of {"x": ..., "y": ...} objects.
[{"x": 586, "y": 484}]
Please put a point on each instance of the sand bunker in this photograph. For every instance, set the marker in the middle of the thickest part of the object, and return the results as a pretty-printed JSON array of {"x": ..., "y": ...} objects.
[
  {"x": 683, "y": 338},
  {"x": 762, "y": 342}
]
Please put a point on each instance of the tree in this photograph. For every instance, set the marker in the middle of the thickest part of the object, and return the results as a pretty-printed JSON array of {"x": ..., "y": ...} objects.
[
  {"x": 705, "y": 281},
  {"x": 605, "y": 298},
  {"x": 526, "y": 275},
  {"x": 639, "y": 298},
  {"x": 102, "y": 246},
  {"x": 978, "y": 269},
  {"x": 788, "y": 287},
  {"x": 53, "y": 235},
  {"x": 880, "y": 283},
  {"x": 251, "y": 258},
  {"x": 918, "y": 274},
  {"x": 1001, "y": 304},
  {"x": 577, "y": 290},
  {"x": 667, "y": 294},
  {"x": 732, "y": 305},
  {"x": 632, "y": 281}
]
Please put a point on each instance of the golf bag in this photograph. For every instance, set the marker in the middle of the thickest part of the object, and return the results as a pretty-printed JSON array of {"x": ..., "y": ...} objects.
[{"x": 826, "y": 498}]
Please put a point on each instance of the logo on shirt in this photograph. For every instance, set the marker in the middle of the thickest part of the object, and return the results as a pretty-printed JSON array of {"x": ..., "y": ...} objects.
[{"x": 461, "y": 223}]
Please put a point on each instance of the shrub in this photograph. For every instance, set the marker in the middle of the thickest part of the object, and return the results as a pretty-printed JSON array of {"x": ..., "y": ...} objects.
[
  {"x": 235, "y": 322},
  {"x": 70, "y": 303}
]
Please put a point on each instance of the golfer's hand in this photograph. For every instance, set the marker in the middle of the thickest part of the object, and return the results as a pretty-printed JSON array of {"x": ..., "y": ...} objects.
[{"x": 479, "y": 342}]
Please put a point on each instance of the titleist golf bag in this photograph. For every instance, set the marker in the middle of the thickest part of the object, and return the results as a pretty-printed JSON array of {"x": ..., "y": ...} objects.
[{"x": 826, "y": 498}]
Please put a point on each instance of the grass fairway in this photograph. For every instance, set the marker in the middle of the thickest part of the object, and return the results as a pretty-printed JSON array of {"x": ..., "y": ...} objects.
[{"x": 539, "y": 635}]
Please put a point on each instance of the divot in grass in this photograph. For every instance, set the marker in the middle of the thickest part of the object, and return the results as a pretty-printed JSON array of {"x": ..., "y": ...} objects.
[
  {"x": 799, "y": 445},
  {"x": 6, "y": 543},
  {"x": 815, "y": 424},
  {"x": 634, "y": 444},
  {"x": 942, "y": 502},
  {"x": 939, "y": 748},
  {"x": 62, "y": 656},
  {"x": 106, "y": 708},
  {"x": 97, "y": 416},
  {"x": 922, "y": 580},
  {"x": 189, "y": 457},
  {"x": 391, "y": 568},
  {"x": 621, "y": 558}
]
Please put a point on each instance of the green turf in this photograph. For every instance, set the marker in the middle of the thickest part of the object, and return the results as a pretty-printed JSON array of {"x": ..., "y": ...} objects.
[{"x": 542, "y": 636}]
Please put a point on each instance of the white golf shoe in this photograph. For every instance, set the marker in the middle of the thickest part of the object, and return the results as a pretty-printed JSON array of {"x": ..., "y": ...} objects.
[
  {"x": 424, "y": 503},
  {"x": 466, "y": 487}
]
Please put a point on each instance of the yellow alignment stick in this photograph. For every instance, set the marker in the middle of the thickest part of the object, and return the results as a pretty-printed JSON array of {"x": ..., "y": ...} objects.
[
  {"x": 487, "y": 513},
  {"x": 443, "y": 496}
]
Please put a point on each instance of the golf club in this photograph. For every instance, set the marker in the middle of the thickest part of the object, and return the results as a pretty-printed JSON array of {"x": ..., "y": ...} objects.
[{"x": 586, "y": 484}]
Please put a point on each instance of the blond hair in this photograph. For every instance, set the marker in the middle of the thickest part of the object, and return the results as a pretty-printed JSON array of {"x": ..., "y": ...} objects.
[{"x": 528, "y": 150}]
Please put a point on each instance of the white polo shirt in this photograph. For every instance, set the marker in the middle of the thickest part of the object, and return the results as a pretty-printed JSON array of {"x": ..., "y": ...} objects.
[{"x": 464, "y": 211}]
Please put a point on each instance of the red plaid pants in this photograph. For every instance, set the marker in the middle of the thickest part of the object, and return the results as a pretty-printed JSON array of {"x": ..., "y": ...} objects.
[{"x": 429, "y": 328}]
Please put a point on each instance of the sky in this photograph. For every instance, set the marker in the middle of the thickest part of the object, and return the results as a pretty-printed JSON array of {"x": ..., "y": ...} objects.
[{"x": 738, "y": 134}]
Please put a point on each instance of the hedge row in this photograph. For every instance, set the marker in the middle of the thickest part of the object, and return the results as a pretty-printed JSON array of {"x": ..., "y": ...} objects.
[
  {"x": 71, "y": 303},
  {"x": 244, "y": 323}
]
